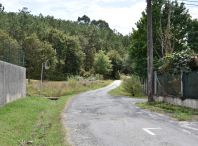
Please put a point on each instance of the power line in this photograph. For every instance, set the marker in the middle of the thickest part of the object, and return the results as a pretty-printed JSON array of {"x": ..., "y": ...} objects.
[
  {"x": 190, "y": 4},
  {"x": 190, "y": 1}
]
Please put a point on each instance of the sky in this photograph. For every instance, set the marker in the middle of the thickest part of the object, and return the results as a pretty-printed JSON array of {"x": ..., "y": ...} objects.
[{"x": 119, "y": 14}]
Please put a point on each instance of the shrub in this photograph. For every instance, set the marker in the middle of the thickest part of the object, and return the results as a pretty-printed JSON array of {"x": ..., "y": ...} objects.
[{"x": 132, "y": 85}]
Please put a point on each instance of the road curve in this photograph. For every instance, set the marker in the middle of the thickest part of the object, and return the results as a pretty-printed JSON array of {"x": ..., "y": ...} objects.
[{"x": 95, "y": 118}]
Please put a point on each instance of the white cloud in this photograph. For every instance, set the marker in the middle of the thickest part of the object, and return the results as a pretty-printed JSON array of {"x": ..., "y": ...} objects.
[
  {"x": 108, "y": 1},
  {"x": 123, "y": 19},
  {"x": 194, "y": 13}
]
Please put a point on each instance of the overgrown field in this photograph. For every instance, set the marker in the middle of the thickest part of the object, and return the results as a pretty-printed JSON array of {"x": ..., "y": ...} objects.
[
  {"x": 175, "y": 111},
  {"x": 61, "y": 88},
  {"x": 37, "y": 121}
]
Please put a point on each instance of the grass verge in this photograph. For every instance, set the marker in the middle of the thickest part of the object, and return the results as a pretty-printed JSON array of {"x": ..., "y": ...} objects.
[
  {"x": 37, "y": 121},
  {"x": 120, "y": 91},
  {"x": 177, "y": 112}
]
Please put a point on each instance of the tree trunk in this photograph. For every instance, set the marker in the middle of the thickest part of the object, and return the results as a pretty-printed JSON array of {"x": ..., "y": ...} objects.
[
  {"x": 167, "y": 40},
  {"x": 149, "y": 51}
]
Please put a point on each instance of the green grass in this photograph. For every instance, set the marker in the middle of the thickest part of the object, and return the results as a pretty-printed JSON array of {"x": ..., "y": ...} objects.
[
  {"x": 177, "y": 112},
  {"x": 119, "y": 91},
  {"x": 38, "y": 119}
]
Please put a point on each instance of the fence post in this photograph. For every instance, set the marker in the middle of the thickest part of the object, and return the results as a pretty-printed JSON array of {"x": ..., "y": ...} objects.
[
  {"x": 23, "y": 59},
  {"x": 155, "y": 83},
  {"x": 9, "y": 53},
  {"x": 182, "y": 83},
  {"x": 18, "y": 56}
]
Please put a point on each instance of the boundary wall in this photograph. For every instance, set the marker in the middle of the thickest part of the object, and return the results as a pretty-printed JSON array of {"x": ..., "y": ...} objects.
[
  {"x": 12, "y": 82},
  {"x": 192, "y": 103}
]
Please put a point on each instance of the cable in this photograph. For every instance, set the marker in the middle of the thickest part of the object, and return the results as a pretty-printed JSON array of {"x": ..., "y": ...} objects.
[{"x": 190, "y": 4}]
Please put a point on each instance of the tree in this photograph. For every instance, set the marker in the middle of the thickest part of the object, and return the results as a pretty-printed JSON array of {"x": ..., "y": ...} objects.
[
  {"x": 36, "y": 53},
  {"x": 69, "y": 55},
  {"x": 100, "y": 24},
  {"x": 192, "y": 36},
  {"x": 102, "y": 64},
  {"x": 116, "y": 61},
  {"x": 84, "y": 20},
  {"x": 178, "y": 30}
]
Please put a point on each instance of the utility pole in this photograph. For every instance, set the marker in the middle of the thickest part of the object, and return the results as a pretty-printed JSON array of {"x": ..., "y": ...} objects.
[{"x": 149, "y": 51}]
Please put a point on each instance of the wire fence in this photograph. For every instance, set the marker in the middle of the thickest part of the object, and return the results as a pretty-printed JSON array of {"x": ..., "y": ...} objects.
[
  {"x": 11, "y": 52},
  {"x": 183, "y": 85}
]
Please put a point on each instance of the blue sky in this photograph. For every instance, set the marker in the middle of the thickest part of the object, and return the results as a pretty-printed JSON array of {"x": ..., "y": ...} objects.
[{"x": 120, "y": 14}]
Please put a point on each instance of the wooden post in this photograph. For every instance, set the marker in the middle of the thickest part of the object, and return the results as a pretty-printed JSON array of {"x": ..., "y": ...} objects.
[
  {"x": 182, "y": 90},
  {"x": 149, "y": 51},
  {"x": 155, "y": 91}
]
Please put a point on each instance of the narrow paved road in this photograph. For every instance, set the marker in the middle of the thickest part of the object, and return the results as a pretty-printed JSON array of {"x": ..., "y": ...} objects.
[{"x": 95, "y": 118}]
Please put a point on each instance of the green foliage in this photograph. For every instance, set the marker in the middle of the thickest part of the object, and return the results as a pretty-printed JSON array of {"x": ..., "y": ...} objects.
[
  {"x": 192, "y": 36},
  {"x": 185, "y": 60},
  {"x": 116, "y": 61},
  {"x": 132, "y": 85},
  {"x": 138, "y": 49},
  {"x": 127, "y": 69},
  {"x": 68, "y": 49},
  {"x": 37, "y": 52},
  {"x": 102, "y": 64}
]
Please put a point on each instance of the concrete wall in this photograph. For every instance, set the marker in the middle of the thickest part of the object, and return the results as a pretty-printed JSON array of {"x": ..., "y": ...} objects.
[
  {"x": 12, "y": 82},
  {"x": 193, "y": 103}
]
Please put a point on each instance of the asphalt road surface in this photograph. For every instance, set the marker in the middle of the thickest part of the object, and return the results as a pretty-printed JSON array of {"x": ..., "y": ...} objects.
[{"x": 95, "y": 118}]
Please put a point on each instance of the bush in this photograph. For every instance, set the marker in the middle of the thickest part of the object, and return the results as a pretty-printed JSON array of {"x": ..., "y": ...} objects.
[{"x": 132, "y": 85}]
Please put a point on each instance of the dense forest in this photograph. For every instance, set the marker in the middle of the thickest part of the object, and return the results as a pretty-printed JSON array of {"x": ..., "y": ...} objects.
[
  {"x": 88, "y": 47},
  {"x": 72, "y": 46}
]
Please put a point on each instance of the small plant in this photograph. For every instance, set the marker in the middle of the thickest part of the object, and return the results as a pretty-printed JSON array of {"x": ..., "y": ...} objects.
[{"x": 132, "y": 85}]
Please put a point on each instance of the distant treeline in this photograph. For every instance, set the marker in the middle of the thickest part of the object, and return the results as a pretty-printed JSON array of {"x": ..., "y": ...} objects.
[{"x": 71, "y": 45}]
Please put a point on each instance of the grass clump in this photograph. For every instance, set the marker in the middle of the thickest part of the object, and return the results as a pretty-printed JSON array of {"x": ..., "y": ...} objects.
[{"x": 175, "y": 111}]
